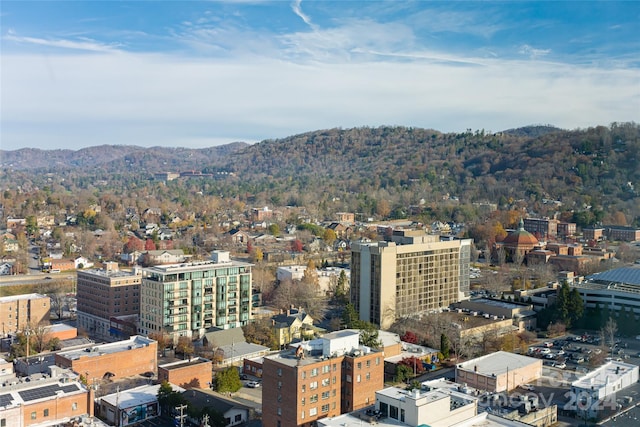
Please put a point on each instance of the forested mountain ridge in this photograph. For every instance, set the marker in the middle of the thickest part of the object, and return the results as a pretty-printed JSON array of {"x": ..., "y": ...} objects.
[
  {"x": 115, "y": 157},
  {"x": 384, "y": 170}
]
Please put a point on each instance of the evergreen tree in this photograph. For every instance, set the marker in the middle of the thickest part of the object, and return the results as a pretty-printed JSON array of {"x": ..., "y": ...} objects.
[{"x": 444, "y": 346}]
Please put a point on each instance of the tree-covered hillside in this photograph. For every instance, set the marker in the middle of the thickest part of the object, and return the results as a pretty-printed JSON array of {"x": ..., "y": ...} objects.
[{"x": 384, "y": 171}]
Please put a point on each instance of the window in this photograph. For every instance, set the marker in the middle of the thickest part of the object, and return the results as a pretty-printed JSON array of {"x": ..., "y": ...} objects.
[
  {"x": 326, "y": 369},
  {"x": 304, "y": 388},
  {"x": 325, "y": 408},
  {"x": 74, "y": 406},
  {"x": 325, "y": 395},
  {"x": 279, "y": 411},
  {"x": 368, "y": 364},
  {"x": 313, "y": 399},
  {"x": 377, "y": 360},
  {"x": 359, "y": 365},
  {"x": 313, "y": 412},
  {"x": 313, "y": 385},
  {"x": 238, "y": 418},
  {"x": 348, "y": 378},
  {"x": 33, "y": 415},
  {"x": 314, "y": 372},
  {"x": 368, "y": 376},
  {"x": 358, "y": 378},
  {"x": 302, "y": 415},
  {"x": 3, "y": 422},
  {"x": 326, "y": 382},
  {"x": 45, "y": 413},
  {"x": 279, "y": 372},
  {"x": 393, "y": 412},
  {"x": 302, "y": 401},
  {"x": 401, "y": 414}
]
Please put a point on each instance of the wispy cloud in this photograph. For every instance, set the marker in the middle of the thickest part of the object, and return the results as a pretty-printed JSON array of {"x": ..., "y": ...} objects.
[
  {"x": 85, "y": 44},
  {"x": 532, "y": 52},
  {"x": 296, "y": 6}
]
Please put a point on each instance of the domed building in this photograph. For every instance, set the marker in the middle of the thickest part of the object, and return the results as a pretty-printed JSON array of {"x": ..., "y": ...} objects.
[{"x": 518, "y": 243}]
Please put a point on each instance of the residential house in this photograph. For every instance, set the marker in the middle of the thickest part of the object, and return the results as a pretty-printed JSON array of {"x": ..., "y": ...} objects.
[
  {"x": 239, "y": 237},
  {"x": 233, "y": 412},
  {"x": 82, "y": 262},
  {"x": 293, "y": 325}
]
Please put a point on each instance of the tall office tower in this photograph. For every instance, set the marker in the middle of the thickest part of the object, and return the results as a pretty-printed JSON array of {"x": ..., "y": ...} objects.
[
  {"x": 187, "y": 299},
  {"x": 411, "y": 274}
]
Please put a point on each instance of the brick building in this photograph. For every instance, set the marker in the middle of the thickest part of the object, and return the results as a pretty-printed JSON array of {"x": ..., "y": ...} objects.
[
  {"x": 104, "y": 294},
  {"x": 544, "y": 228},
  {"x": 192, "y": 373},
  {"x": 320, "y": 378},
  {"x": 49, "y": 401},
  {"x": 594, "y": 233},
  {"x": 134, "y": 356},
  {"x": 623, "y": 234},
  {"x": 498, "y": 371},
  {"x": 19, "y": 312}
]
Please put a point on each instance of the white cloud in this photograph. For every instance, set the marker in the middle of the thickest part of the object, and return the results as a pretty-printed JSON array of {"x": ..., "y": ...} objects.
[
  {"x": 143, "y": 99},
  {"x": 82, "y": 44},
  {"x": 531, "y": 52},
  {"x": 296, "y": 6}
]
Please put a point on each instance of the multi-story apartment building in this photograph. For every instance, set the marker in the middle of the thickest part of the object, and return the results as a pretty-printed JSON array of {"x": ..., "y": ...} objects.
[
  {"x": 623, "y": 234},
  {"x": 20, "y": 312},
  {"x": 411, "y": 274},
  {"x": 543, "y": 228},
  {"x": 187, "y": 299},
  {"x": 321, "y": 378},
  {"x": 104, "y": 294},
  {"x": 566, "y": 229}
]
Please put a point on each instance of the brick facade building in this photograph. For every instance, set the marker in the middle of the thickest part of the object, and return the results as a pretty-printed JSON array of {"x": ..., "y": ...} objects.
[
  {"x": 193, "y": 373},
  {"x": 19, "y": 312},
  {"x": 136, "y": 355},
  {"x": 320, "y": 378}
]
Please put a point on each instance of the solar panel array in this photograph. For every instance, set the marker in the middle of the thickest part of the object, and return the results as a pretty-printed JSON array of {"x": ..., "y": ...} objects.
[
  {"x": 5, "y": 400},
  {"x": 46, "y": 391}
]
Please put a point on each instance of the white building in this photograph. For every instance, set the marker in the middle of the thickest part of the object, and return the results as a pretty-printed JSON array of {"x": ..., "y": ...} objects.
[
  {"x": 598, "y": 389},
  {"x": 618, "y": 288},
  {"x": 435, "y": 408},
  {"x": 290, "y": 273}
]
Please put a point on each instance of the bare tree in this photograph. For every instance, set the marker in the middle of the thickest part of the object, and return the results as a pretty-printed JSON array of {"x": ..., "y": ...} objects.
[{"x": 609, "y": 330}]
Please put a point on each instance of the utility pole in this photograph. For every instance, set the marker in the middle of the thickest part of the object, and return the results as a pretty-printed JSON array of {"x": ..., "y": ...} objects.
[{"x": 180, "y": 418}]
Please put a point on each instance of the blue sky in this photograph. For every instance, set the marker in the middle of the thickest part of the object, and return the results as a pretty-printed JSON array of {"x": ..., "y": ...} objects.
[{"x": 202, "y": 73}]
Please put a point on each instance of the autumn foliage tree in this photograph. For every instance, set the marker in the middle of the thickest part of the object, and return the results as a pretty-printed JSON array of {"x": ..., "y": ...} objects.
[
  {"x": 149, "y": 245},
  {"x": 409, "y": 337}
]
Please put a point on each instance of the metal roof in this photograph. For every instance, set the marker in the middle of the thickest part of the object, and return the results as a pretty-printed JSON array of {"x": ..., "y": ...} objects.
[{"x": 627, "y": 275}]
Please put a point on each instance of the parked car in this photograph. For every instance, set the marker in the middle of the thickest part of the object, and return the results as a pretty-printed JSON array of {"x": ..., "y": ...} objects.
[
  {"x": 561, "y": 365},
  {"x": 243, "y": 376},
  {"x": 527, "y": 387},
  {"x": 253, "y": 384}
]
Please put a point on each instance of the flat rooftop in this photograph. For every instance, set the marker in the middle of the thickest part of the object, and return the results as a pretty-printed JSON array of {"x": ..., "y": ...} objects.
[
  {"x": 497, "y": 303},
  {"x": 21, "y": 297},
  {"x": 498, "y": 363},
  {"x": 109, "y": 273},
  {"x": 136, "y": 396},
  {"x": 194, "y": 266},
  {"x": 609, "y": 372},
  {"x": 178, "y": 364},
  {"x": 110, "y": 348}
]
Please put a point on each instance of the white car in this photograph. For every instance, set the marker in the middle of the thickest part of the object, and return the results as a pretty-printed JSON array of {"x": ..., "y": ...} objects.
[
  {"x": 527, "y": 387},
  {"x": 561, "y": 365},
  {"x": 253, "y": 384}
]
